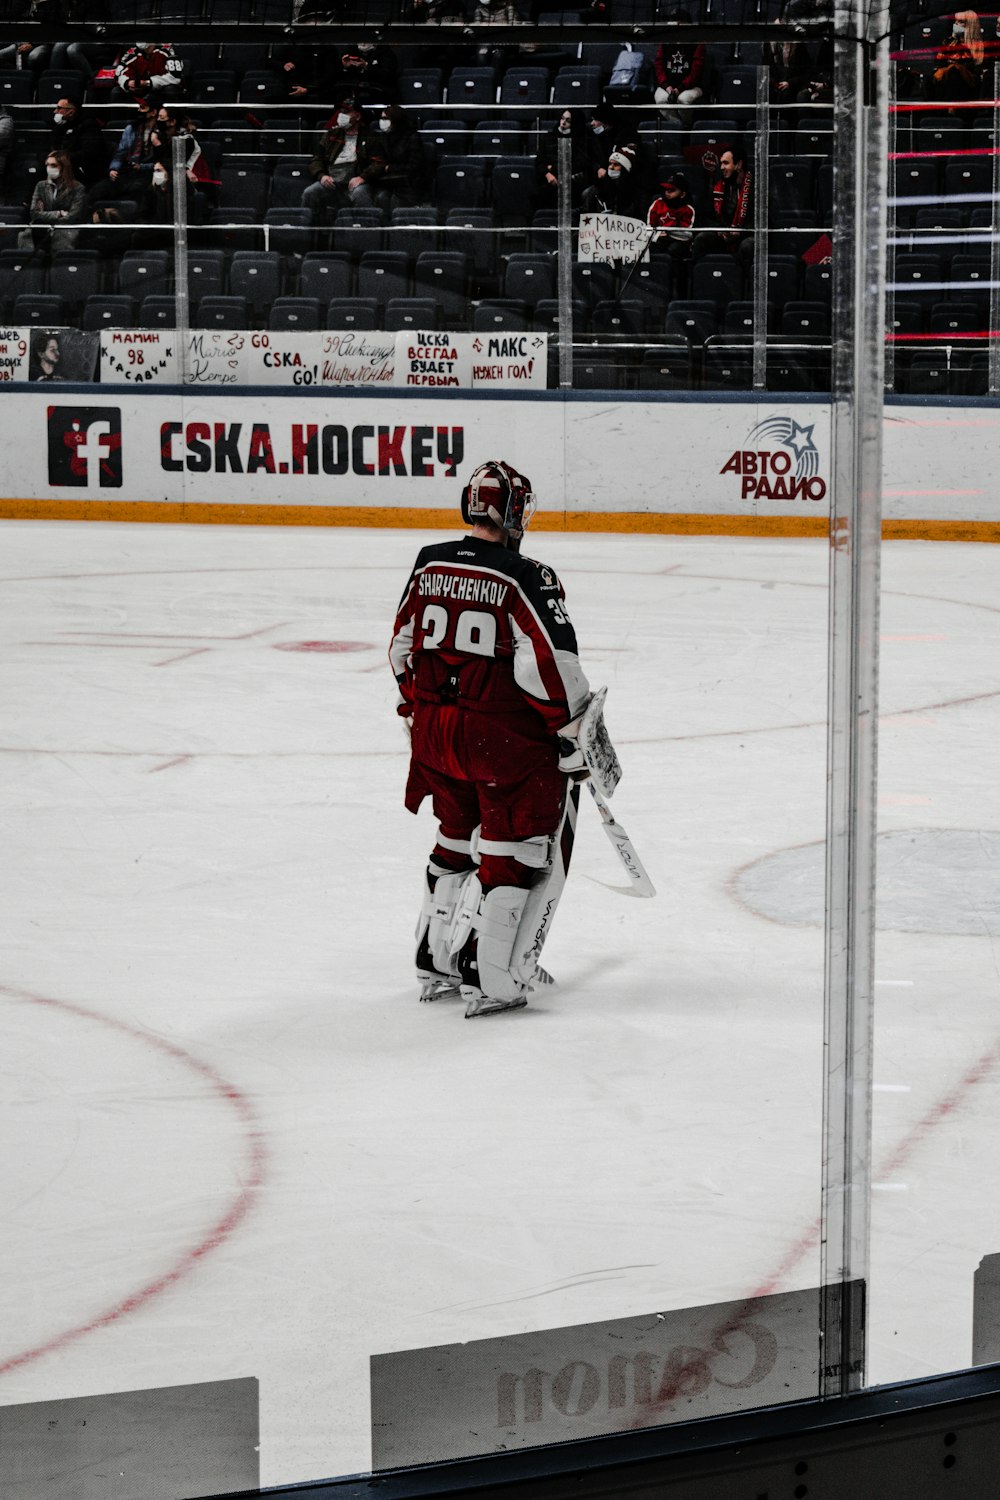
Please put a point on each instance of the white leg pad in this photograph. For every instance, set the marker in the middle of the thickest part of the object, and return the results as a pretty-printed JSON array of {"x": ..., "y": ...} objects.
[{"x": 437, "y": 918}]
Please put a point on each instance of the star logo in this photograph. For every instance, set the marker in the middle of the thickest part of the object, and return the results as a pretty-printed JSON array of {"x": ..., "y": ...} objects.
[{"x": 790, "y": 434}]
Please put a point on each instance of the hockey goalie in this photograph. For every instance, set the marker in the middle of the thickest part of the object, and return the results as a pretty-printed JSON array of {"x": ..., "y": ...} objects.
[{"x": 491, "y": 687}]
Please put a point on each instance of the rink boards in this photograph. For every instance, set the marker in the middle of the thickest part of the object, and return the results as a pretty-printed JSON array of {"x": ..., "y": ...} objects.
[{"x": 741, "y": 464}]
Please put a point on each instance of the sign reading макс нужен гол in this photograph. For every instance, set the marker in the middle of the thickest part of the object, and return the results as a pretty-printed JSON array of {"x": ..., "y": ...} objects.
[{"x": 523, "y": 1390}]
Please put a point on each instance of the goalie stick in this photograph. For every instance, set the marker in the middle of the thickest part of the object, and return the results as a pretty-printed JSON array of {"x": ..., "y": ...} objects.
[{"x": 641, "y": 883}]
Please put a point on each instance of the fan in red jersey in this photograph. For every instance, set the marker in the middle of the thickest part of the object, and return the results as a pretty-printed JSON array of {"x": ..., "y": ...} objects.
[{"x": 491, "y": 685}]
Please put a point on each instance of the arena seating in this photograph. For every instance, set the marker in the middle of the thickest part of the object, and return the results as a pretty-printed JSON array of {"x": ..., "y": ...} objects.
[{"x": 478, "y": 252}]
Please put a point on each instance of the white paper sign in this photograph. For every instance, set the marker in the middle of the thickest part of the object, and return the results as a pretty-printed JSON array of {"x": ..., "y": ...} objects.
[
  {"x": 480, "y": 361},
  {"x": 613, "y": 237},
  {"x": 218, "y": 357},
  {"x": 13, "y": 354}
]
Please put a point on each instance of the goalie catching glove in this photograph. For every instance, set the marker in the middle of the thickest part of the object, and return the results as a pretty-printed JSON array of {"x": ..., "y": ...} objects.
[{"x": 585, "y": 750}]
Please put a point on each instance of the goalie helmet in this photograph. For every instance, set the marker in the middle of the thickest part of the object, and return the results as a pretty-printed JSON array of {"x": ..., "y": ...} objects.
[{"x": 497, "y": 492}]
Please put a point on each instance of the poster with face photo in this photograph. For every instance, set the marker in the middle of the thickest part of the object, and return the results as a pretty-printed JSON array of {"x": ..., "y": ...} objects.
[{"x": 62, "y": 354}]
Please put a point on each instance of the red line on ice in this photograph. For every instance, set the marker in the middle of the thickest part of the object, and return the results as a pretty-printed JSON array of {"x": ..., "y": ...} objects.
[{"x": 252, "y": 1177}]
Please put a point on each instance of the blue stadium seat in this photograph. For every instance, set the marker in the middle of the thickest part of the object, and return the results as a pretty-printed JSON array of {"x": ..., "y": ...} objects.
[
  {"x": 352, "y": 312},
  {"x": 222, "y": 312},
  {"x": 326, "y": 276},
  {"x": 293, "y": 314},
  {"x": 410, "y": 312},
  {"x": 108, "y": 312}
]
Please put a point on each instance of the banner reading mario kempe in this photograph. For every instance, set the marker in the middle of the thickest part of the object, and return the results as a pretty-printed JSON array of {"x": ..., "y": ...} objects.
[
  {"x": 613, "y": 237},
  {"x": 336, "y": 358}
]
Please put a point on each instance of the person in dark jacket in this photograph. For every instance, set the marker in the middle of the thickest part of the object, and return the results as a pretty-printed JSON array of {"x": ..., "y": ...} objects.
[
  {"x": 547, "y": 162},
  {"x": 398, "y": 171},
  {"x": 80, "y": 136},
  {"x": 132, "y": 163},
  {"x": 618, "y": 191},
  {"x": 367, "y": 70},
  {"x": 156, "y": 209},
  {"x": 732, "y": 210},
  {"x": 344, "y": 163}
]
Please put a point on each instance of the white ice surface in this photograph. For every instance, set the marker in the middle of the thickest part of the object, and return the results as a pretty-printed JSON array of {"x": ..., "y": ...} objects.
[{"x": 234, "y": 1142}]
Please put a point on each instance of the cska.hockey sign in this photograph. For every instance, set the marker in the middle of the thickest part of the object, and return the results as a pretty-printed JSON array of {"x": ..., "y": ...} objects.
[{"x": 780, "y": 462}]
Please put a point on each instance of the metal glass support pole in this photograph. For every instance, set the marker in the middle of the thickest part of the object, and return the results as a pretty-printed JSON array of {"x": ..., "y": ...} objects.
[
  {"x": 564, "y": 261},
  {"x": 181, "y": 302},
  {"x": 891, "y": 231},
  {"x": 993, "y": 357},
  {"x": 860, "y": 115},
  {"x": 762, "y": 209}
]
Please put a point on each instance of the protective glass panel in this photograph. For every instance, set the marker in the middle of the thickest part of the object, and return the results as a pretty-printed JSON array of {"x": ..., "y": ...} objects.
[{"x": 600, "y": 1211}]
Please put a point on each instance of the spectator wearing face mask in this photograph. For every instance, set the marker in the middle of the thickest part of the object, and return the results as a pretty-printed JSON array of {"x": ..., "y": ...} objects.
[
  {"x": 398, "y": 171},
  {"x": 618, "y": 191},
  {"x": 79, "y": 135},
  {"x": 343, "y": 164},
  {"x": 366, "y": 70},
  {"x": 547, "y": 162},
  {"x": 958, "y": 63},
  {"x": 56, "y": 203},
  {"x": 603, "y": 135},
  {"x": 156, "y": 214},
  {"x": 132, "y": 162}
]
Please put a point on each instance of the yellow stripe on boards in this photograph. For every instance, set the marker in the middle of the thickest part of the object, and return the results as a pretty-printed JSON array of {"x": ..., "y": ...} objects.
[{"x": 197, "y": 512}]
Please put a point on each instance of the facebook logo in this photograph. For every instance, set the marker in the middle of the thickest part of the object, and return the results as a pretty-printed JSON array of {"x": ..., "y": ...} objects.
[{"x": 85, "y": 446}]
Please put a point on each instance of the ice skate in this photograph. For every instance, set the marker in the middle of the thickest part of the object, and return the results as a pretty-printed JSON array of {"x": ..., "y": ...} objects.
[
  {"x": 438, "y": 986},
  {"x": 478, "y": 1004}
]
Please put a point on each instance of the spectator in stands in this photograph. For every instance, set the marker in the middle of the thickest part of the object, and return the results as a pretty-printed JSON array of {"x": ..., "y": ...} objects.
[
  {"x": 132, "y": 163},
  {"x": 103, "y": 233},
  {"x": 342, "y": 165},
  {"x": 818, "y": 88},
  {"x": 367, "y": 70},
  {"x": 547, "y": 162},
  {"x": 789, "y": 67},
  {"x": 85, "y": 57},
  {"x": 398, "y": 172},
  {"x": 671, "y": 214},
  {"x": 732, "y": 207},
  {"x": 500, "y": 13},
  {"x": 680, "y": 72},
  {"x": 199, "y": 169},
  {"x": 294, "y": 71},
  {"x": 80, "y": 136},
  {"x": 434, "y": 12},
  {"x": 56, "y": 203},
  {"x": 958, "y": 64},
  {"x": 156, "y": 209},
  {"x": 601, "y": 139},
  {"x": 149, "y": 68},
  {"x": 7, "y": 138},
  {"x": 25, "y": 57},
  {"x": 618, "y": 192}
]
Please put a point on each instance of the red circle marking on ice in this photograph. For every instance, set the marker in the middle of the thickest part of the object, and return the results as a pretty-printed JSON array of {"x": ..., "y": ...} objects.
[
  {"x": 251, "y": 1175},
  {"x": 329, "y": 646}
]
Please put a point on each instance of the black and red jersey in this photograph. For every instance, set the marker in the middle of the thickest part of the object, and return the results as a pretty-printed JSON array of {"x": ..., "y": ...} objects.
[{"x": 485, "y": 628}]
